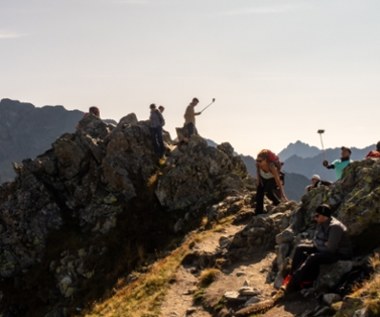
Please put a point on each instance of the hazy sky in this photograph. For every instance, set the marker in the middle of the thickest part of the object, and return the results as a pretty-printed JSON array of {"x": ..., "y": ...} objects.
[{"x": 279, "y": 70}]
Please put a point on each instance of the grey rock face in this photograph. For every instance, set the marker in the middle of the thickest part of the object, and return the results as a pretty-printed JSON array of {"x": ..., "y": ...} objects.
[{"x": 100, "y": 192}]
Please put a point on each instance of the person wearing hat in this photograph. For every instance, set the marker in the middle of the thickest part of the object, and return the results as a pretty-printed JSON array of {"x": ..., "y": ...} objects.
[
  {"x": 331, "y": 243},
  {"x": 316, "y": 182},
  {"x": 341, "y": 164}
]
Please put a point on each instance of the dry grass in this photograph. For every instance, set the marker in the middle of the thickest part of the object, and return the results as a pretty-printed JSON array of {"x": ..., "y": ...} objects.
[
  {"x": 369, "y": 292},
  {"x": 208, "y": 276},
  {"x": 144, "y": 296}
]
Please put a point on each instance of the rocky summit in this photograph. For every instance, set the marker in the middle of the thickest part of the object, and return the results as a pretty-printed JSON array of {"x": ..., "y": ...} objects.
[
  {"x": 97, "y": 204},
  {"x": 98, "y": 226}
]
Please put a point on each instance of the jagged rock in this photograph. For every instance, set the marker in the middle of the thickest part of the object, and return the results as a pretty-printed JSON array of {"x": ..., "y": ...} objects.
[
  {"x": 103, "y": 184},
  {"x": 331, "y": 274},
  {"x": 331, "y": 298},
  {"x": 248, "y": 291},
  {"x": 189, "y": 184},
  {"x": 232, "y": 296}
]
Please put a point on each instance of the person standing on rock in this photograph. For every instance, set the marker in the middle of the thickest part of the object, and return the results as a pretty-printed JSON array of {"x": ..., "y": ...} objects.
[
  {"x": 190, "y": 114},
  {"x": 157, "y": 121},
  {"x": 331, "y": 243},
  {"x": 268, "y": 180},
  {"x": 340, "y": 164}
]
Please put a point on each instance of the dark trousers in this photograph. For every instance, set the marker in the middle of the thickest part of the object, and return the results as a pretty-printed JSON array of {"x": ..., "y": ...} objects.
[
  {"x": 190, "y": 129},
  {"x": 268, "y": 187},
  {"x": 158, "y": 143},
  {"x": 306, "y": 262}
]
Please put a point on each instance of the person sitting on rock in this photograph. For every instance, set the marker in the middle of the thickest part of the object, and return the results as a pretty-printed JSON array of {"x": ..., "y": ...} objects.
[
  {"x": 341, "y": 164},
  {"x": 374, "y": 153},
  {"x": 156, "y": 123},
  {"x": 316, "y": 182},
  {"x": 331, "y": 243},
  {"x": 268, "y": 181}
]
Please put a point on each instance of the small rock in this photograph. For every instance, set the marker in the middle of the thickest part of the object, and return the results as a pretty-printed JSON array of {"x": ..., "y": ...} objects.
[
  {"x": 191, "y": 311},
  {"x": 240, "y": 273},
  {"x": 322, "y": 311},
  {"x": 248, "y": 291},
  {"x": 252, "y": 300},
  {"x": 361, "y": 313},
  {"x": 231, "y": 296},
  {"x": 331, "y": 298}
]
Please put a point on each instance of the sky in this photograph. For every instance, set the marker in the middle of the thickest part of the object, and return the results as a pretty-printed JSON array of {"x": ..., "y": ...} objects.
[{"x": 278, "y": 69}]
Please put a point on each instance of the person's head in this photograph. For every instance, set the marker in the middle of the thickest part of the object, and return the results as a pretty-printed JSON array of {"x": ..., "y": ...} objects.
[
  {"x": 322, "y": 213},
  {"x": 152, "y": 106},
  {"x": 194, "y": 102},
  {"x": 315, "y": 178},
  {"x": 346, "y": 152},
  {"x": 378, "y": 146},
  {"x": 262, "y": 157},
  {"x": 94, "y": 111},
  {"x": 161, "y": 108}
]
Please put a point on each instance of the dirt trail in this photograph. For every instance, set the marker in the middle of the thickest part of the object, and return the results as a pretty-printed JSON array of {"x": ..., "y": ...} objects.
[
  {"x": 252, "y": 272},
  {"x": 179, "y": 299}
]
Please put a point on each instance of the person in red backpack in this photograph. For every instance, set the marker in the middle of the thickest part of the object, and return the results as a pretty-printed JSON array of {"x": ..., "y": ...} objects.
[
  {"x": 374, "y": 153},
  {"x": 269, "y": 181}
]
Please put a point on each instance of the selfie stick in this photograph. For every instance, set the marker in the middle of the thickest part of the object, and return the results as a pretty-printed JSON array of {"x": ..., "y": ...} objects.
[{"x": 213, "y": 100}]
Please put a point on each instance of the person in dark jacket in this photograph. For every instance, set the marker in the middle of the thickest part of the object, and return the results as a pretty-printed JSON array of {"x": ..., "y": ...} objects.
[
  {"x": 331, "y": 243},
  {"x": 157, "y": 121}
]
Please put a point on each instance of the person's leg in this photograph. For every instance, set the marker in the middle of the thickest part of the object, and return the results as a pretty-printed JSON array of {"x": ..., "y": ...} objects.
[
  {"x": 154, "y": 133},
  {"x": 160, "y": 142},
  {"x": 309, "y": 270},
  {"x": 259, "y": 199},
  {"x": 190, "y": 129},
  {"x": 301, "y": 253},
  {"x": 272, "y": 191},
  {"x": 291, "y": 282}
]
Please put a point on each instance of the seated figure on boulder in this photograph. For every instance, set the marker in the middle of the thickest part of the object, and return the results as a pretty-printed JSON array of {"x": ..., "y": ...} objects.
[
  {"x": 331, "y": 243},
  {"x": 316, "y": 182}
]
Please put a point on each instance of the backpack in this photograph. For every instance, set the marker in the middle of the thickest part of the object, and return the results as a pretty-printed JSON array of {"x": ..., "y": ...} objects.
[{"x": 273, "y": 158}]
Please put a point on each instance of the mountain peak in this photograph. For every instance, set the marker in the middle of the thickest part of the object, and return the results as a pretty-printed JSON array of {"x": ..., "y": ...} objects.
[{"x": 300, "y": 149}]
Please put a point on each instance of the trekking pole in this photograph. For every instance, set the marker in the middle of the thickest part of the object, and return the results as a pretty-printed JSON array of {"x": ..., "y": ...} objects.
[
  {"x": 213, "y": 100},
  {"x": 320, "y": 132}
]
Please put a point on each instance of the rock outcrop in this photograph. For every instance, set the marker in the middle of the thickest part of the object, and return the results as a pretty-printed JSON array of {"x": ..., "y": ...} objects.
[{"x": 95, "y": 205}]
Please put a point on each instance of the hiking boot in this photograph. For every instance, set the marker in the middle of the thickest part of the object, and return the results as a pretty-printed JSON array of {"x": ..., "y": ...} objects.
[{"x": 286, "y": 281}]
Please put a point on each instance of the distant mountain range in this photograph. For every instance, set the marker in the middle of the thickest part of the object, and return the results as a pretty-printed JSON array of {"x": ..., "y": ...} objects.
[
  {"x": 300, "y": 149},
  {"x": 27, "y": 131},
  {"x": 298, "y": 162}
]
